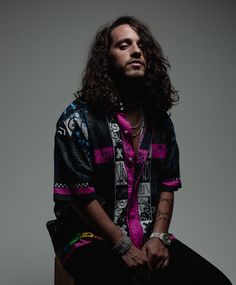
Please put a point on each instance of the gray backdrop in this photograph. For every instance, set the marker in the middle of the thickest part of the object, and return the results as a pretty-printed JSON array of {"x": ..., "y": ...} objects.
[{"x": 43, "y": 50}]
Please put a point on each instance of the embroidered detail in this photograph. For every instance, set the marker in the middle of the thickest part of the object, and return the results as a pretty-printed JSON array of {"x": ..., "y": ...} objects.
[
  {"x": 144, "y": 201},
  {"x": 115, "y": 129},
  {"x": 76, "y": 119},
  {"x": 171, "y": 182},
  {"x": 146, "y": 174},
  {"x": 119, "y": 154},
  {"x": 119, "y": 214},
  {"x": 78, "y": 236},
  {"x": 71, "y": 186},
  {"x": 171, "y": 179},
  {"x": 121, "y": 174},
  {"x": 103, "y": 155},
  {"x": 73, "y": 191},
  {"x": 159, "y": 151},
  {"x": 78, "y": 240},
  {"x": 121, "y": 177},
  {"x": 61, "y": 131}
]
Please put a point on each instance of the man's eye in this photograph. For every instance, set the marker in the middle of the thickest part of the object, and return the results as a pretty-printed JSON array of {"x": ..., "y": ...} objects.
[
  {"x": 140, "y": 45},
  {"x": 123, "y": 46}
]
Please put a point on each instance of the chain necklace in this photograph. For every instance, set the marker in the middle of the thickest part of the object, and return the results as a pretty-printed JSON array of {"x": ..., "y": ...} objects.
[
  {"x": 138, "y": 124},
  {"x": 138, "y": 129}
]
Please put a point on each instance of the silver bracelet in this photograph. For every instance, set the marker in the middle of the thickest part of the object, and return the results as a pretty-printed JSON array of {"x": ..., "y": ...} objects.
[{"x": 122, "y": 246}]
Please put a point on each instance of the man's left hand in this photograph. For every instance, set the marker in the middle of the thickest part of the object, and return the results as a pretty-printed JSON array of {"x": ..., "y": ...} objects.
[{"x": 157, "y": 253}]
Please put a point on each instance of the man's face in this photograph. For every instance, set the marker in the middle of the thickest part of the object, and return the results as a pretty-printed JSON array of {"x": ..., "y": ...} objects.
[{"x": 126, "y": 53}]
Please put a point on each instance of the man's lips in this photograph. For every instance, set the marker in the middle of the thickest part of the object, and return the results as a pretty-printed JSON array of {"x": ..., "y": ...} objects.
[{"x": 136, "y": 62}]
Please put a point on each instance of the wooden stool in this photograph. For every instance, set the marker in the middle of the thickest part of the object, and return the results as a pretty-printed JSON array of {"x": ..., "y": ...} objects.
[{"x": 61, "y": 277}]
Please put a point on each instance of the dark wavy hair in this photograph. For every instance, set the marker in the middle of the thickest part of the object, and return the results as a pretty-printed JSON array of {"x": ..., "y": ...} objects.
[{"x": 97, "y": 85}]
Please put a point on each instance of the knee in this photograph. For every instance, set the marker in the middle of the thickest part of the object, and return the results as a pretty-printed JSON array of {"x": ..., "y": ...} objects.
[{"x": 222, "y": 279}]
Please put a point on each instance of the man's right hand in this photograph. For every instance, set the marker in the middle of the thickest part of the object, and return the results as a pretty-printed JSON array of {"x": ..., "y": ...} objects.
[
  {"x": 137, "y": 261},
  {"x": 135, "y": 258}
]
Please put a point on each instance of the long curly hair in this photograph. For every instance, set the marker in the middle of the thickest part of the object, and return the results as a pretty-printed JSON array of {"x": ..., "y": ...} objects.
[{"x": 97, "y": 85}]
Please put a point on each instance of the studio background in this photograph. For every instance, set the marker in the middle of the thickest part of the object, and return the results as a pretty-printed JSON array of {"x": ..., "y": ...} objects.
[{"x": 43, "y": 51}]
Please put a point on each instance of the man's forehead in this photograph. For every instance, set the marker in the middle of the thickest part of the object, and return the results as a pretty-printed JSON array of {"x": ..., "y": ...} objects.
[{"x": 123, "y": 31}]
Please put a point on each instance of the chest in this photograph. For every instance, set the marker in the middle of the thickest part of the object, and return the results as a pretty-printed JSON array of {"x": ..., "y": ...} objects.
[{"x": 136, "y": 143}]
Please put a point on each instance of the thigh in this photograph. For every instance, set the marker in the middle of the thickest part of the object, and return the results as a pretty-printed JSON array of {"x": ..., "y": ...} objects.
[
  {"x": 96, "y": 262},
  {"x": 188, "y": 267}
]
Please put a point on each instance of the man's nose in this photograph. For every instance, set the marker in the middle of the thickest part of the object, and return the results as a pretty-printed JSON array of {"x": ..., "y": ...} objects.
[
  {"x": 136, "y": 54},
  {"x": 136, "y": 51}
]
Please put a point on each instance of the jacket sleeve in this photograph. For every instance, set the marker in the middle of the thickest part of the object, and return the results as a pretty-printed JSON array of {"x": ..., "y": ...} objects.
[
  {"x": 73, "y": 167},
  {"x": 170, "y": 173}
]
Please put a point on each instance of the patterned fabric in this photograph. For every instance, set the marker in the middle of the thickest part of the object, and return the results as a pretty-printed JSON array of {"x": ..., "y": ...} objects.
[{"x": 94, "y": 158}]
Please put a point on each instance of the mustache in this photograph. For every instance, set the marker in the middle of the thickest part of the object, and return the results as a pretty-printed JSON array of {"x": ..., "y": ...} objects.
[{"x": 134, "y": 60}]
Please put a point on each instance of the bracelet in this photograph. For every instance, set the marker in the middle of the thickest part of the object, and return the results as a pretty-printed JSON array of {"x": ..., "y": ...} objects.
[
  {"x": 122, "y": 246},
  {"x": 164, "y": 237}
]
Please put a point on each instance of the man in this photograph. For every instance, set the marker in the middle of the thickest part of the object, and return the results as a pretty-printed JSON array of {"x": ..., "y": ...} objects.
[{"x": 117, "y": 167}]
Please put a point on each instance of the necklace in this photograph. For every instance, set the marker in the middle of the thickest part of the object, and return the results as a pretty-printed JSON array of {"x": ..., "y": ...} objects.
[
  {"x": 138, "y": 124},
  {"x": 138, "y": 129}
]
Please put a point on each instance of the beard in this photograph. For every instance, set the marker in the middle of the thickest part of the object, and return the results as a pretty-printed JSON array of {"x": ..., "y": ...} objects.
[
  {"x": 131, "y": 89},
  {"x": 120, "y": 76}
]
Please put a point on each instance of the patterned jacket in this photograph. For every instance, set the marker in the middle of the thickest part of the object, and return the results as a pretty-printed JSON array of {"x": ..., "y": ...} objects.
[{"x": 94, "y": 158}]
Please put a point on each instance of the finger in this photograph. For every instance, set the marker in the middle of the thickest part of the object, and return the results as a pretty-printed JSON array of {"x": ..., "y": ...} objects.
[
  {"x": 149, "y": 259},
  {"x": 154, "y": 261},
  {"x": 165, "y": 263},
  {"x": 159, "y": 264},
  {"x": 149, "y": 266},
  {"x": 162, "y": 262}
]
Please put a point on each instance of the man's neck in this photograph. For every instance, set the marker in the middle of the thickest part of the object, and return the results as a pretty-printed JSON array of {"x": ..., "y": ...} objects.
[
  {"x": 134, "y": 115},
  {"x": 131, "y": 92}
]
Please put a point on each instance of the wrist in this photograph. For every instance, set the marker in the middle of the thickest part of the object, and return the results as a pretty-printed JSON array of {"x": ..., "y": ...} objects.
[
  {"x": 122, "y": 246},
  {"x": 116, "y": 236},
  {"x": 163, "y": 236}
]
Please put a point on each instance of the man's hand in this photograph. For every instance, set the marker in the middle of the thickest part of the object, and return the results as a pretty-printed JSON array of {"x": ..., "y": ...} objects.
[
  {"x": 136, "y": 259},
  {"x": 157, "y": 254}
]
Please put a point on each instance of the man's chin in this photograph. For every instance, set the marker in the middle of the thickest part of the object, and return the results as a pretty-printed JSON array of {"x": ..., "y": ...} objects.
[
  {"x": 128, "y": 78},
  {"x": 134, "y": 77},
  {"x": 135, "y": 74}
]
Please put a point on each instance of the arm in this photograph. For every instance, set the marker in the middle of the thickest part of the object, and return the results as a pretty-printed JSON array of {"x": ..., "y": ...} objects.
[
  {"x": 157, "y": 253},
  {"x": 99, "y": 222},
  {"x": 73, "y": 176},
  {"x": 164, "y": 212},
  {"x": 94, "y": 216}
]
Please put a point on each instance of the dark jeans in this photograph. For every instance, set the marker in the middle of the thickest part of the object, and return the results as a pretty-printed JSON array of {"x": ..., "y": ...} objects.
[{"x": 97, "y": 263}]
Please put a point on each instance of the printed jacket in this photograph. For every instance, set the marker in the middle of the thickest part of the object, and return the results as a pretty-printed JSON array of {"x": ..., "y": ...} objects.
[{"x": 94, "y": 158}]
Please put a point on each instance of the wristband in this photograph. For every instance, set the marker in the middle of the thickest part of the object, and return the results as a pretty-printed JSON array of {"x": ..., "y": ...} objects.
[{"x": 124, "y": 245}]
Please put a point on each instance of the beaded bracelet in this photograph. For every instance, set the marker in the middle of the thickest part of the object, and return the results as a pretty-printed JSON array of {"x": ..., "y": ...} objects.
[{"x": 122, "y": 246}]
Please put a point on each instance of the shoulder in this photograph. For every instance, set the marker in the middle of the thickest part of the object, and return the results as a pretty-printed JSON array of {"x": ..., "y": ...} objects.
[
  {"x": 170, "y": 127},
  {"x": 73, "y": 118},
  {"x": 164, "y": 124},
  {"x": 162, "y": 119},
  {"x": 168, "y": 120},
  {"x": 72, "y": 110}
]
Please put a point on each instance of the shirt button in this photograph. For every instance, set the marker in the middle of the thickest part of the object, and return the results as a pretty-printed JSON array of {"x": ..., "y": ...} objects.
[
  {"x": 126, "y": 132},
  {"x": 130, "y": 158}
]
